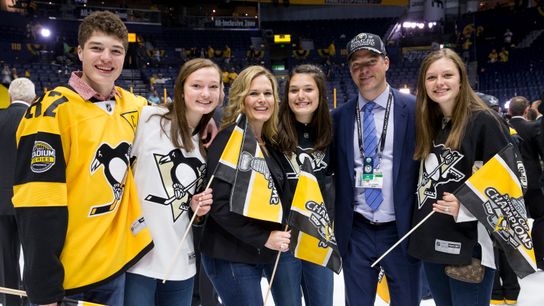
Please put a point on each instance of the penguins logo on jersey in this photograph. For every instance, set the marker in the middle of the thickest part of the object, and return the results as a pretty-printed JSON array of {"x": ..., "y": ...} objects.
[
  {"x": 438, "y": 169},
  {"x": 114, "y": 162},
  {"x": 317, "y": 160},
  {"x": 181, "y": 177}
]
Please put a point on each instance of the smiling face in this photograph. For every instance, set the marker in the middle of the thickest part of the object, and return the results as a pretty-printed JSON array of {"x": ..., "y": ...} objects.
[
  {"x": 368, "y": 73},
  {"x": 259, "y": 102},
  {"x": 442, "y": 84},
  {"x": 102, "y": 58},
  {"x": 303, "y": 96},
  {"x": 201, "y": 92}
]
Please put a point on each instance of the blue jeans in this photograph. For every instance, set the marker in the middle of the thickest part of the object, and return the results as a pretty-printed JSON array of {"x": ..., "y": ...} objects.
[
  {"x": 147, "y": 291},
  {"x": 286, "y": 285},
  {"x": 449, "y": 292},
  {"x": 111, "y": 293},
  {"x": 317, "y": 284},
  {"x": 292, "y": 274},
  {"x": 236, "y": 283}
]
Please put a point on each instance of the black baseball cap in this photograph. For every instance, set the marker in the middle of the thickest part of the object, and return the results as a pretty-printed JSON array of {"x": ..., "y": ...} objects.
[
  {"x": 367, "y": 41},
  {"x": 490, "y": 100}
]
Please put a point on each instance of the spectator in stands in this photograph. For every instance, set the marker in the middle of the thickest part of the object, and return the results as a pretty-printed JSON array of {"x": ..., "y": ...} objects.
[
  {"x": 507, "y": 38},
  {"x": 372, "y": 215},
  {"x": 168, "y": 100},
  {"x": 227, "y": 54},
  {"x": 305, "y": 131},
  {"x": 14, "y": 74},
  {"x": 6, "y": 75},
  {"x": 451, "y": 123},
  {"x": 153, "y": 97},
  {"x": 300, "y": 52},
  {"x": 210, "y": 52},
  {"x": 172, "y": 132},
  {"x": 504, "y": 55},
  {"x": 225, "y": 77},
  {"x": 153, "y": 80},
  {"x": 232, "y": 75},
  {"x": 21, "y": 94},
  {"x": 532, "y": 153},
  {"x": 237, "y": 250},
  {"x": 493, "y": 56},
  {"x": 79, "y": 199}
]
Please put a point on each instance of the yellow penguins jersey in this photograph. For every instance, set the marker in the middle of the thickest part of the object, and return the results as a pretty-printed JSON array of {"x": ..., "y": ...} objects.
[{"x": 74, "y": 189}]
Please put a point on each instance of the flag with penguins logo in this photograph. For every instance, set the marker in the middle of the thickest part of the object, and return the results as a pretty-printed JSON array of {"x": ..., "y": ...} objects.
[
  {"x": 253, "y": 193},
  {"x": 312, "y": 237},
  {"x": 494, "y": 195}
]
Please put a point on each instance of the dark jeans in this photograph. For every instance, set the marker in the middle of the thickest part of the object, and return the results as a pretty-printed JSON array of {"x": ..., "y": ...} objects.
[
  {"x": 286, "y": 285},
  {"x": 146, "y": 291},
  {"x": 449, "y": 292},
  {"x": 236, "y": 283}
]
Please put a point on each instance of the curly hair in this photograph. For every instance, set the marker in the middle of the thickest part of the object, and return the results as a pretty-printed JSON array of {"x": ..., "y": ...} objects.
[
  {"x": 238, "y": 93},
  {"x": 105, "y": 22}
]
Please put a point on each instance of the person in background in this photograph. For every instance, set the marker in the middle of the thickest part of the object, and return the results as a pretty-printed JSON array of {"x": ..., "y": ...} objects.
[
  {"x": 75, "y": 200},
  {"x": 532, "y": 154},
  {"x": 22, "y": 93},
  {"x": 305, "y": 132},
  {"x": 452, "y": 124},
  {"x": 153, "y": 97},
  {"x": 237, "y": 250},
  {"x": 169, "y": 174},
  {"x": 505, "y": 284},
  {"x": 376, "y": 176}
]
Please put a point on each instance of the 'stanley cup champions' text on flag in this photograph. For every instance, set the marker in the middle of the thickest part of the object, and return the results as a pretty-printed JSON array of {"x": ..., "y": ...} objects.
[
  {"x": 243, "y": 164},
  {"x": 312, "y": 237},
  {"x": 494, "y": 195}
]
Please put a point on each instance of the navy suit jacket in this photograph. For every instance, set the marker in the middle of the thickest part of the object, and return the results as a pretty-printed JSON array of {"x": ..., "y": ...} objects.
[{"x": 405, "y": 169}]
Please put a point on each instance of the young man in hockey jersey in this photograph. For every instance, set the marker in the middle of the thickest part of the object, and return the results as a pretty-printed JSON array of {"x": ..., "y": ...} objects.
[{"x": 80, "y": 222}]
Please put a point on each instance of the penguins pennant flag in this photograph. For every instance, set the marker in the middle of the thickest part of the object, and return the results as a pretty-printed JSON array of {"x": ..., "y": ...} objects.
[
  {"x": 311, "y": 229},
  {"x": 226, "y": 167},
  {"x": 253, "y": 193},
  {"x": 494, "y": 195}
]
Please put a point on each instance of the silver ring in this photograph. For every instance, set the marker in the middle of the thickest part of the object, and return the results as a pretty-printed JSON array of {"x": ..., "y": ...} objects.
[{"x": 447, "y": 209}]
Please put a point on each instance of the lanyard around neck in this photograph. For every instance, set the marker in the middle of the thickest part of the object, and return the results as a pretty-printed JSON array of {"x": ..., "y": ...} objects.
[{"x": 384, "y": 129}]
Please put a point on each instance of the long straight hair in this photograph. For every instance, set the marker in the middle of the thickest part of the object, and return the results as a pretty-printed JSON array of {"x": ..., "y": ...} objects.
[
  {"x": 428, "y": 113},
  {"x": 320, "y": 124},
  {"x": 238, "y": 93},
  {"x": 180, "y": 132}
]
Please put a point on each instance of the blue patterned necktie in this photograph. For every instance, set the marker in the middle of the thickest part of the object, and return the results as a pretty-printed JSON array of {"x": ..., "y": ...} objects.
[{"x": 373, "y": 196}]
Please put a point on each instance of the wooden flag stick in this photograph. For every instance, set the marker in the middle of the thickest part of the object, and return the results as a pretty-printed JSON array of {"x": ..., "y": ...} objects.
[
  {"x": 273, "y": 272},
  {"x": 178, "y": 250},
  {"x": 12, "y": 291},
  {"x": 22, "y": 293},
  {"x": 402, "y": 239}
]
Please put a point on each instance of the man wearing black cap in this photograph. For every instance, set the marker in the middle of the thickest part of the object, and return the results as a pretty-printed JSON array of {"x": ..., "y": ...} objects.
[{"x": 376, "y": 179}]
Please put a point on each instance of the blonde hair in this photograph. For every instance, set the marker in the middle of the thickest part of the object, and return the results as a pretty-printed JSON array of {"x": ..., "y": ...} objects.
[{"x": 238, "y": 93}]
